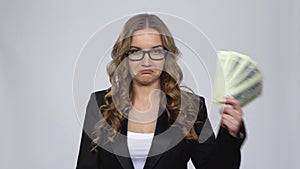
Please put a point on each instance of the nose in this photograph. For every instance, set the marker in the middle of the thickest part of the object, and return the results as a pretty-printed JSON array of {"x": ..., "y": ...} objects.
[{"x": 146, "y": 60}]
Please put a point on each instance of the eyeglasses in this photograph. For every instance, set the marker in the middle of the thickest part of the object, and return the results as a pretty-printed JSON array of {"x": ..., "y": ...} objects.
[{"x": 154, "y": 54}]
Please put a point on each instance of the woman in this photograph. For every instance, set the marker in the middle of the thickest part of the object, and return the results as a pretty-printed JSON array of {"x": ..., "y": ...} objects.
[{"x": 145, "y": 120}]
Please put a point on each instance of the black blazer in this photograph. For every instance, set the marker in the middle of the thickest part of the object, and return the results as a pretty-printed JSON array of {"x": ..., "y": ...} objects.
[{"x": 222, "y": 152}]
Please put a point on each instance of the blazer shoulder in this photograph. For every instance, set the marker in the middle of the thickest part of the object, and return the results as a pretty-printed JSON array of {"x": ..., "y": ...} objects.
[
  {"x": 92, "y": 111},
  {"x": 195, "y": 98},
  {"x": 99, "y": 95}
]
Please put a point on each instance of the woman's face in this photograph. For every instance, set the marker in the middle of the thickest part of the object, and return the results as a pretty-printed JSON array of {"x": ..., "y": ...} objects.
[{"x": 146, "y": 71}]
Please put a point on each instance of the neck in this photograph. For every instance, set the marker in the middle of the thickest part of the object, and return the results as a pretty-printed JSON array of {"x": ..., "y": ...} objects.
[
  {"x": 143, "y": 92},
  {"x": 146, "y": 100}
]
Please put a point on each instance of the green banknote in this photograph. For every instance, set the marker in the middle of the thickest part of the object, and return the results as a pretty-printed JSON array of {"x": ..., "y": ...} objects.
[{"x": 243, "y": 78}]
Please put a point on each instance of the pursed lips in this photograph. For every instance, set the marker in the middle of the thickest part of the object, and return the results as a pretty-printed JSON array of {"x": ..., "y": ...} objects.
[{"x": 146, "y": 71}]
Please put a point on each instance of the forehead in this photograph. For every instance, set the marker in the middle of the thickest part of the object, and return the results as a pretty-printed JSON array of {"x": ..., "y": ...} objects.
[{"x": 146, "y": 38}]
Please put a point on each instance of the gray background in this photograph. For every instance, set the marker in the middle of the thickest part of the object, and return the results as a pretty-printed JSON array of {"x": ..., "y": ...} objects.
[{"x": 40, "y": 42}]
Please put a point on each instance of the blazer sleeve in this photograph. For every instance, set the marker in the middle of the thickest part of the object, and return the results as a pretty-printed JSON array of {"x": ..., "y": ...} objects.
[
  {"x": 212, "y": 152},
  {"x": 88, "y": 159}
]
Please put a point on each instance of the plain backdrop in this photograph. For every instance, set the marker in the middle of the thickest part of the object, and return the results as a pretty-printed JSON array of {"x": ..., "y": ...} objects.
[{"x": 40, "y": 42}]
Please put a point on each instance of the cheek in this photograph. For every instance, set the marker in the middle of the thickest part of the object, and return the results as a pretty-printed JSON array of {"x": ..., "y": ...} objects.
[
  {"x": 133, "y": 68},
  {"x": 160, "y": 66}
]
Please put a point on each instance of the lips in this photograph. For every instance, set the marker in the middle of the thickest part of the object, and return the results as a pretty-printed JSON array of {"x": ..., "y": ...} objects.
[{"x": 146, "y": 71}]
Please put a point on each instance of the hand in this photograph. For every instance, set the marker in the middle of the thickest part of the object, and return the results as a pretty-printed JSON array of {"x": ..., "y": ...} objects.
[{"x": 232, "y": 116}]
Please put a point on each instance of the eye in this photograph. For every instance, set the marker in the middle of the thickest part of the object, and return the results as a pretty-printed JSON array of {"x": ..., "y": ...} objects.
[
  {"x": 134, "y": 52},
  {"x": 157, "y": 51}
]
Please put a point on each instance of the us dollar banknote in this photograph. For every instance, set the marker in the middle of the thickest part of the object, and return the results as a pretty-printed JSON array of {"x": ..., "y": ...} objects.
[{"x": 242, "y": 76}]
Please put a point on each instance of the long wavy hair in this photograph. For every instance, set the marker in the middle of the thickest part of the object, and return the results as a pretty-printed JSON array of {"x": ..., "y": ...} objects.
[{"x": 180, "y": 105}]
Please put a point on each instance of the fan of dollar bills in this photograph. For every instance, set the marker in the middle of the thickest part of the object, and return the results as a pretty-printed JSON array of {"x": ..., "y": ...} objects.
[{"x": 243, "y": 79}]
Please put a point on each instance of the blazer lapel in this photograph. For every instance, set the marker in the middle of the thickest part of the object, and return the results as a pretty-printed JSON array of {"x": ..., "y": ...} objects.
[
  {"x": 120, "y": 147},
  {"x": 159, "y": 145},
  {"x": 160, "y": 142}
]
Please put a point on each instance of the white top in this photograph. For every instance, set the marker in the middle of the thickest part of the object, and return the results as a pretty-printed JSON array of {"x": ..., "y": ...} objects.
[{"x": 139, "y": 145}]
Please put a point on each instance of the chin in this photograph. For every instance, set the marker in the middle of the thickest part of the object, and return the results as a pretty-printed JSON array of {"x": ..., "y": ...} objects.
[{"x": 146, "y": 80}]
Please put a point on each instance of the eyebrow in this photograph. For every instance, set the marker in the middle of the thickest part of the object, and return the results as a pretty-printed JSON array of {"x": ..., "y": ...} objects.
[{"x": 141, "y": 48}]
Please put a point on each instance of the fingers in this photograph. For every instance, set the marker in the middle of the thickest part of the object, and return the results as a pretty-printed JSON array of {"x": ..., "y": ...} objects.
[
  {"x": 231, "y": 124},
  {"x": 232, "y": 116},
  {"x": 233, "y": 102},
  {"x": 234, "y": 113}
]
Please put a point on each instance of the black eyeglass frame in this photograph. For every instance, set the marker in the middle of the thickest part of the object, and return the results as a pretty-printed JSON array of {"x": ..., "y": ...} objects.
[{"x": 148, "y": 52}]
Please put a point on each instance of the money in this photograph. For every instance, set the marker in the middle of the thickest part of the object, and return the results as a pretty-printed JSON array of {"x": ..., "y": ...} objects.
[{"x": 242, "y": 76}]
